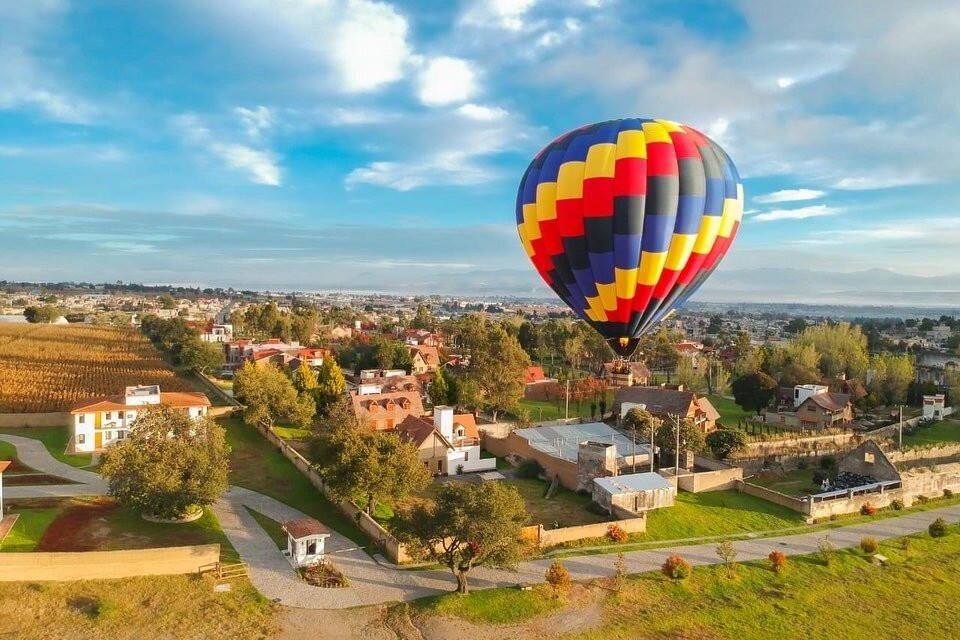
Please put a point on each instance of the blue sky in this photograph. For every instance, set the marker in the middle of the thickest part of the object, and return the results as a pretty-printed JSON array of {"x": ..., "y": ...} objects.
[{"x": 316, "y": 144}]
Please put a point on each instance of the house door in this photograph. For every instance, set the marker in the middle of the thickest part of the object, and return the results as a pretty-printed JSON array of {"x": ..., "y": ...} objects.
[{"x": 98, "y": 437}]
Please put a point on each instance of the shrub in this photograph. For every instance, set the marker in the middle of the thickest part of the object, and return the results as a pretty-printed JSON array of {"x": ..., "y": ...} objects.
[
  {"x": 676, "y": 568},
  {"x": 922, "y": 499},
  {"x": 827, "y": 462},
  {"x": 727, "y": 553},
  {"x": 819, "y": 477},
  {"x": 802, "y": 463},
  {"x": 947, "y": 493},
  {"x": 825, "y": 545},
  {"x": 938, "y": 528},
  {"x": 620, "y": 572},
  {"x": 868, "y": 509},
  {"x": 897, "y": 504},
  {"x": 869, "y": 545},
  {"x": 459, "y": 469},
  {"x": 778, "y": 560},
  {"x": 558, "y": 578},
  {"x": 529, "y": 468},
  {"x": 616, "y": 533}
]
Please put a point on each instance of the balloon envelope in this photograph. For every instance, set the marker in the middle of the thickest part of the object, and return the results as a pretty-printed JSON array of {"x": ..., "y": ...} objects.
[{"x": 626, "y": 219}]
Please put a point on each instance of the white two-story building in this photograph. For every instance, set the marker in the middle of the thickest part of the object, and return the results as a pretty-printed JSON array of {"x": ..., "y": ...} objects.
[{"x": 100, "y": 422}]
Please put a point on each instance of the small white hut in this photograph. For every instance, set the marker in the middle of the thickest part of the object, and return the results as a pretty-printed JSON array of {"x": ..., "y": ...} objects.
[{"x": 306, "y": 539}]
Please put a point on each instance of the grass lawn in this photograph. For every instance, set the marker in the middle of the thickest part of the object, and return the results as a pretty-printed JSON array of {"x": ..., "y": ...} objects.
[
  {"x": 798, "y": 482},
  {"x": 502, "y": 463},
  {"x": 55, "y": 440},
  {"x": 134, "y": 608},
  {"x": 255, "y": 464},
  {"x": 492, "y": 606},
  {"x": 543, "y": 410},
  {"x": 730, "y": 412},
  {"x": 194, "y": 380},
  {"x": 273, "y": 528},
  {"x": 566, "y": 508},
  {"x": 716, "y": 513},
  {"x": 8, "y": 452},
  {"x": 850, "y": 598},
  {"x": 28, "y": 528},
  {"x": 942, "y": 432},
  {"x": 292, "y": 433}
]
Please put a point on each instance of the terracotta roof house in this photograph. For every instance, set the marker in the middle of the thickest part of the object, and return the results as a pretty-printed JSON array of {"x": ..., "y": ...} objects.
[
  {"x": 384, "y": 410},
  {"x": 664, "y": 403},
  {"x": 810, "y": 407},
  {"x": 449, "y": 443},
  {"x": 100, "y": 422},
  {"x": 425, "y": 358}
]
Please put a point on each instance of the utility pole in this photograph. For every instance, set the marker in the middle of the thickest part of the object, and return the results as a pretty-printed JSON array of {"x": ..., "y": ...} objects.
[
  {"x": 900, "y": 430},
  {"x": 650, "y": 424},
  {"x": 633, "y": 429},
  {"x": 676, "y": 453}
]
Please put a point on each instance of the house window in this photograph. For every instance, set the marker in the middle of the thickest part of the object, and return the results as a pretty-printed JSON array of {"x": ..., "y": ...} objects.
[
  {"x": 868, "y": 458},
  {"x": 121, "y": 435},
  {"x": 109, "y": 435},
  {"x": 108, "y": 415},
  {"x": 81, "y": 438},
  {"x": 466, "y": 456},
  {"x": 439, "y": 466},
  {"x": 459, "y": 432},
  {"x": 81, "y": 419}
]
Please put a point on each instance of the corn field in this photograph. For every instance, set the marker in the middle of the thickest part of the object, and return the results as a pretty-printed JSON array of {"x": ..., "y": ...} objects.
[{"x": 45, "y": 368}]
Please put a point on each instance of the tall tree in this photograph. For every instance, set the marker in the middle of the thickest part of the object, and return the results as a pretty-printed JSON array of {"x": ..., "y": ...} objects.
[
  {"x": 723, "y": 442},
  {"x": 42, "y": 315},
  {"x": 439, "y": 391},
  {"x": 268, "y": 396},
  {"x": 689, "y": 377},
  {"x": 641, "y": 422},
  {"x": 170, "y": 464},
  {"x": 422, "y": 318},
  {"x": 842, "y": 349},
  {"x": 466, "y": 526},
  {"x": 304, "y": 379},
  {"x": 197, "y": 354},
  {"x": 754, "y": 391},
  {"x": 691, "y": 438},
  {"x": 331, "y": 385},
  {"x": 373, "y": 466},
  {"x": 496, "y": 371}
]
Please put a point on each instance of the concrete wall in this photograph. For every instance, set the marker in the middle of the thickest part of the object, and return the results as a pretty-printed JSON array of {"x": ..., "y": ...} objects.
[
  {"x": 827, "y": 508},
  {"x": 926, "y": 456},
  {"x": 95, "y": 565},
  {"x": 796, "y": 504},
  {"x": 17, "y": 420},
  {"x": 932, "y": 483},
  {"x": 796, "y": 446},
  {"x": 553, "y": 537}
]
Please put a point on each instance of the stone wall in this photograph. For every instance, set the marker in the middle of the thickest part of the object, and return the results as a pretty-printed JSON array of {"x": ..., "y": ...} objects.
[
  {"x": 924, "y": 457},
  {"x": 553, "y": 537},
  {"x": 790, "y": 502},
  {"x": 98, "y": 565},
  {"x": 793, "y": 446},
  {"x": 843, "y": 506}
]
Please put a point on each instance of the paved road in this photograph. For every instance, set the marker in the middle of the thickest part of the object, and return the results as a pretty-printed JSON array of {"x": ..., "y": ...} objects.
[
  {"x": 373, "y": 583},
  {"x": 34, "y": 454}
]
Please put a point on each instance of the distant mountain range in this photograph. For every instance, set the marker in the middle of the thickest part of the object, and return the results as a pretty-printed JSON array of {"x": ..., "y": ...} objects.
[{"x": 873, "y": 286}]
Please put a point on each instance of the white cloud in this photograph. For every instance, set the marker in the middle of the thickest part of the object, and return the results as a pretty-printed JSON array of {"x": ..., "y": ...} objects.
[
  {"x": 26, "y": 79},
  {"x": 364, "y": 43},
  {"x": 481, "y": 112},
  {"x": 790, "y": 195},
  {"x": 885, "y": 180},
  {"x": 254, "y": 121},
  {"x": 446, "y": 168},
  {"x": 261, "y": 166},
  {"x": 445, "y": 80},
  {"x": 802, "y": 213},
  {"x": 502, "y": 14}
]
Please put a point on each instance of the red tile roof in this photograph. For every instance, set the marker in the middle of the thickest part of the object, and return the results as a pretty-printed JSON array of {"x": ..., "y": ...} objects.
[
  {"x": 4, "y": 464},
  {"x": 533, "y": 374},
  {"x": 181, "y": 399}
]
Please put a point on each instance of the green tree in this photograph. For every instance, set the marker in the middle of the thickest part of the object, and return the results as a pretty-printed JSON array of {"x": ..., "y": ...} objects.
[
  {"x": 723, "y": 442},
  {"x": 331, "y": 385},
  {"x": 466, "y": 526},
  {"x": 717, "y": 376},
  {"x": 197, "y": 354},
  {"x": 268, "y": 396},
  {"x": 422, "y": 318},
  {"x": 496, "y": 372},
  {"x": 305, "y": 379},
  {"x": 842, "y": 349},
  {"x": 439, "y": 391},
  {"x": 370, "y": 465},
  {"x": 166, "y": 301},
  {"x": 641, "y": 421},
  {"x": 689, "y": 377},
  {"x": 170, "y": 464},
  {"x": 754, "y": 391},
  {"x": 42, "y": 315},
  {"x": 891, "y": 378},
  {"x": 691, "y": 438},
  {"x": 794, "y": 374}
]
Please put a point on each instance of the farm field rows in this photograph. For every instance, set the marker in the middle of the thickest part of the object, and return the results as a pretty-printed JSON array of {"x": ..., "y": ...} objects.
[{"x": 47, "y": 368}]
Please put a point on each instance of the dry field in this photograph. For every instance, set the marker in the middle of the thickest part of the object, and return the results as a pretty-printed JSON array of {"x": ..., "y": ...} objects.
[{"x": 46, "y": 368}]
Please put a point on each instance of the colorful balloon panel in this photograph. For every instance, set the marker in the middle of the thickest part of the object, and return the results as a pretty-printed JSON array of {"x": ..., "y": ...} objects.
[{"x": 626, "y": 219}]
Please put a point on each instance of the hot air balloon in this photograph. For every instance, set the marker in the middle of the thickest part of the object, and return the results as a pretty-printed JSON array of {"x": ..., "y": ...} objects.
[{"x": 626, "y": 219}]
